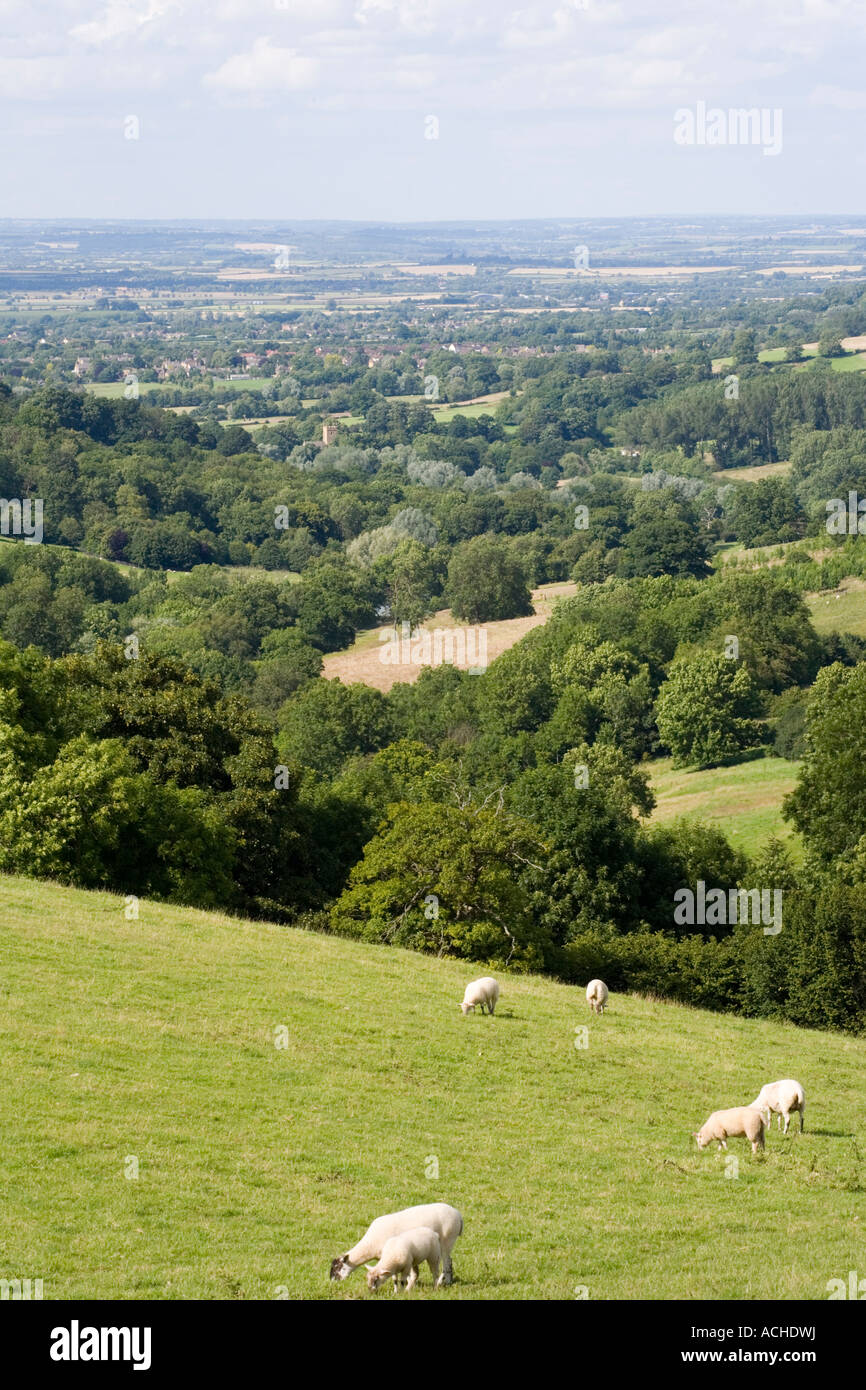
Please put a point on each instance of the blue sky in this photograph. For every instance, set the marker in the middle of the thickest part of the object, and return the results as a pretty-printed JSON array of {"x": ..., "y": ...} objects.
[{"x": 319, "y": 108}]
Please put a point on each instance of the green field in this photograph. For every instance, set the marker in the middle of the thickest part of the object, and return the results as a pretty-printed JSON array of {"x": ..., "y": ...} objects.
[
  {"x": 155, "y": 1041},
  {"x": 744, "y": 801},
  {"x": 843, "y": 610},
  {"x": 849, "y": 362},
  {"x": 444, "y": 413},
  {"x": 113, "y": 389},
  {"x": 754, "y": 473}
]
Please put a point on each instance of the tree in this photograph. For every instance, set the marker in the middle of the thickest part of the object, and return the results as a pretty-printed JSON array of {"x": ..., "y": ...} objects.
[
  {"x": 411, "y": 582},
  {"x": 745, "y": 349},
  {"x": 664, "y": 538},
  {"x": 90, "y": 819},
  {"x": 327, "y": 722},
  {"x": 828, "y": 804},
  {"x": 765, "y": 512},
  {"x": 447, "y": 879},
  {"x": 516, "y": 692},
  {"x": 288, "y": 661},
  {"x": 589, "y": 877},
  {"x": 485, "y": 584},
  {"x": 332, "y": 601},
  {"x": 607, "y": 690},
  {"x": 708, "y": 710}
]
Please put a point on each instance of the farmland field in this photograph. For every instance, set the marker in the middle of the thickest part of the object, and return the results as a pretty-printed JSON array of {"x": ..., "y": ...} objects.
[
  {"x": 843, "y": 610},
  {"x": 744, "y": 801},
  {"x": 153, "y": 1046},
  {"x": 363, "y": 660},
  {"x": 113, "y": 389},
  {"x": 754, "y": 473}
]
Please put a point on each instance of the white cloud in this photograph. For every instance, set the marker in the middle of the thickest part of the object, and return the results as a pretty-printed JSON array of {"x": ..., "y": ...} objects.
[
  {"x": 265, "y": 68},
  {"x": 120, "y": 21}
]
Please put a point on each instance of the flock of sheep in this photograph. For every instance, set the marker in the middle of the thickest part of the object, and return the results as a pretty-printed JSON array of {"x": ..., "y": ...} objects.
[{"x": 398, "y": 1244}]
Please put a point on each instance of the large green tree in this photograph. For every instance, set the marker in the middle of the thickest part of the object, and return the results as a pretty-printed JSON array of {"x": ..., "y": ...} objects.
[
  {"x": 447, "y": 879},
  {"x": 485, "y": 584},
  {"x": 708, "y": 710},
  {"x": 828, "y": 805}
]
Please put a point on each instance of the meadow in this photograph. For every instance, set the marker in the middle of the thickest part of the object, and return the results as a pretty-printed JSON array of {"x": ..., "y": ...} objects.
[
  {"x": 195, "y": 1107},
  {"x": 112, "y": 390},
  {"x": 743, "y": 801},
  {"x": 842, "y": 610}
]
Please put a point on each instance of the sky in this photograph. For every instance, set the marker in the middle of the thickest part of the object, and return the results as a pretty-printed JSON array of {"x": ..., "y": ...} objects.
[{"x": 417, "y": 110}]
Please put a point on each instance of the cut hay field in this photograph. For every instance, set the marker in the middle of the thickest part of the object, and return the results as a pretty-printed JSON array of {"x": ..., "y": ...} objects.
[
  {"x": 744, "y": 801},
  {"x": 363, "y": 661},
  {"x": 274, "y": 1090}
]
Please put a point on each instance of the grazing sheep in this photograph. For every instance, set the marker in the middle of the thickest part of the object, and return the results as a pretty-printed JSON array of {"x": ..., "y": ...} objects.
[
  {"x": 596, "y": 995},
  {"x": 782, "y": 1097},
  {"x": 724, "y": 1124},
  {"x": 402, "y": 1255},
  {"x": 444, "y": 1220},
  {"x": 483, "y": 991}
]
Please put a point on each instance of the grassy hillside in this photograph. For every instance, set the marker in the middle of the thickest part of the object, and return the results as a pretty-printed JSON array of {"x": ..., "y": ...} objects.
[
  {"x": 842, "y": 610},
  {"x": 156, "y": 1040},
  {"x": 744, "y": 801}
]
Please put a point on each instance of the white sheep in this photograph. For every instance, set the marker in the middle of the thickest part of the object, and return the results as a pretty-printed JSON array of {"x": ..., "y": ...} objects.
[
  {"x": 444, "y": 1220},
  {"x": 596, "y": 995},
  {"x": 782, "y": 1097},
  {"x": 484, "y": 992},
  {"x": 403, "y": 1255},
  {"x": 724, "y": 1124}
]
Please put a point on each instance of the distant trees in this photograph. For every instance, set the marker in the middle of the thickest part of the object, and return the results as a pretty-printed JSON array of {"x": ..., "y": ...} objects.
[
  {"x": 828, "y": 805},
  {"x": 327, "y": 722},
  {"x": 664, "y": 539},
  {"x": 745, "y": 349},
  {"x": 485, "y": 584},
  {"x": 765, "y": 512},
  {"x": 708, "y": 710}
]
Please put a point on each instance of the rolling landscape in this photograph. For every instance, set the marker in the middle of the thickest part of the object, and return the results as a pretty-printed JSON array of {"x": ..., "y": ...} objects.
[{"x": 432, "y": 681}]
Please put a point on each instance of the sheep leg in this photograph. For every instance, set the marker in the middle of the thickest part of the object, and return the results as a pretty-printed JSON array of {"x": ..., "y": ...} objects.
[
  {"x": 412, "y": 1280},
  {"x": 447, "y": 1275},
  {"x": 787, "y": 1121},
  {"x": 802, "y": 1118},
  {"x": 434, "y": 1270}
]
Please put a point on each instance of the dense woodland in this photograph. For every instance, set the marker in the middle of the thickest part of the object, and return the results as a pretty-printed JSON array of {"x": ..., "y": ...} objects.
[{"x": 499, "y": 816}]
